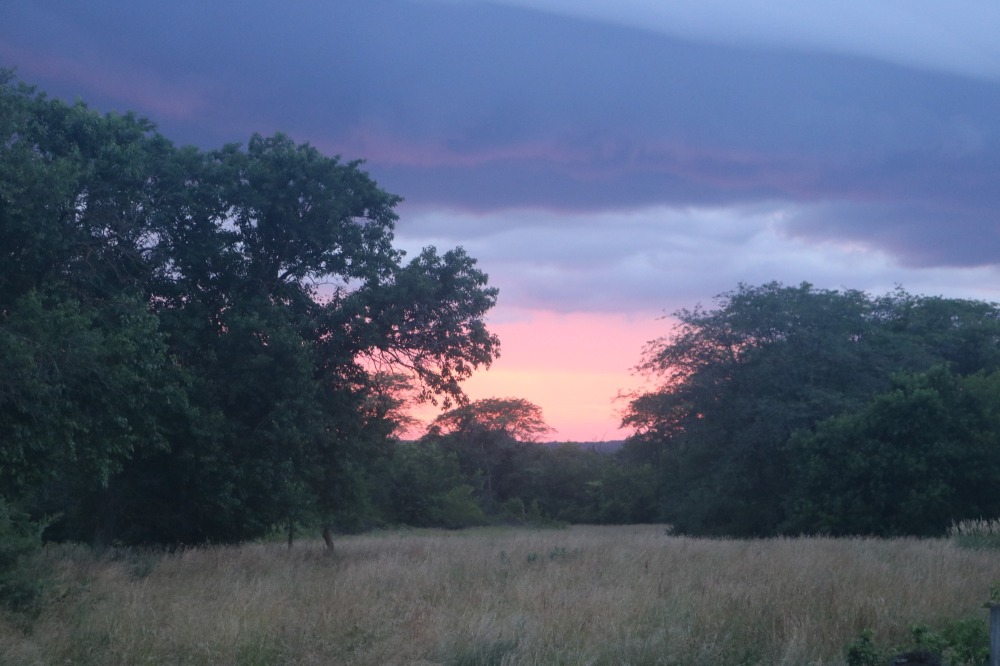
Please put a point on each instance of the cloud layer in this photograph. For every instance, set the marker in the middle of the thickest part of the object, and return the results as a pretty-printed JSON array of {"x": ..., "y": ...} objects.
[{"x": 603, "y": 159}]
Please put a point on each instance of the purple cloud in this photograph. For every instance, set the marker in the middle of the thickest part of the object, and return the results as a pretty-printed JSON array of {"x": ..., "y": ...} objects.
[{"x": 482, "y": 107}]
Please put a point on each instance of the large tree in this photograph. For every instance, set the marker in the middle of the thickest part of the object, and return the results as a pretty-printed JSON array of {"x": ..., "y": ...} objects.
[
  {"x": 738, "y": 380},
  {"x": 234, "y": 312}
]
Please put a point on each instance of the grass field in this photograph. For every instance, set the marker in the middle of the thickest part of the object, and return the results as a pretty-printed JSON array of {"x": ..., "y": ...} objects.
[{"x": 584, "y": 595}]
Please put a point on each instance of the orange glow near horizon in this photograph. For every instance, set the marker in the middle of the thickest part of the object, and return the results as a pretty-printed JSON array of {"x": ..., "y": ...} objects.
[{"x": 571, "y": 365}]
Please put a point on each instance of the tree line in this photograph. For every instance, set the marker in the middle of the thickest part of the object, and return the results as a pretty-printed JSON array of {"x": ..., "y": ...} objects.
[
  {"x": 797, "y": 410},
  {"x": 482, "y": 463},
  {"x": 210, "y": 346},
  {"x": 195, "y": 346},
  {"x": 780, "y": 410}
]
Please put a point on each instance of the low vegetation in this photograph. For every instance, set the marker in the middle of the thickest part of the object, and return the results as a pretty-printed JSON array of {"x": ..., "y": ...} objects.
[
  {"x": 976, "y": 534},
  {"x": 582, "y": 595}
]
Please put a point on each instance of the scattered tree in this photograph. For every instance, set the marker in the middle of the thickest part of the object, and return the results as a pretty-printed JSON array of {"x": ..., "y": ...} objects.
[{"x": 516, "y": 418}]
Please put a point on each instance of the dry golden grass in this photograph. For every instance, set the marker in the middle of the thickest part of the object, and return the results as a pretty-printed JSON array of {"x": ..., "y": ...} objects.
[{"x": 585, "y": 595}]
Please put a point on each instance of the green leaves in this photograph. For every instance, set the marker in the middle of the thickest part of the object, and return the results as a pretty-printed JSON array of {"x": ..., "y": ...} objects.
[
  {"x": 912, "y": 461},
  {"x": 427, "y": 319},
  {"x": 302, "y": 217},
  {"x": 191, "y": 342},
  {"x": 80, "y": 387},
  {"x": 738, "y": 381}
]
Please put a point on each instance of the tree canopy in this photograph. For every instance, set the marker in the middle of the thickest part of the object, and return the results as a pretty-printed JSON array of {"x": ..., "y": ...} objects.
[
  {"x": 742, "y": 385},
  {"x": 516, "y": 418},
  {"x": 192, "y": 342},
  {"x": 922, "y": 455},
  {"x": 208, "y": 345}
]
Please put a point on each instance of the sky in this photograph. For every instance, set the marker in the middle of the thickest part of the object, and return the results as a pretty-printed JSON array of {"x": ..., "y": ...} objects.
[{"x": 606, "y": 163}]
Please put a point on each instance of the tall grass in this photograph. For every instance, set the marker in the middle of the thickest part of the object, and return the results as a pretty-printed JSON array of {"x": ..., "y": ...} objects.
[
  {"x": 976, "y": 533},
  {"x": 584, "y": 595}
]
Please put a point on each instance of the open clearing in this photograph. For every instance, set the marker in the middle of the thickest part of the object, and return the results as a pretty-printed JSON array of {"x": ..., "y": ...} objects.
[{"x": 583, "y": 595}]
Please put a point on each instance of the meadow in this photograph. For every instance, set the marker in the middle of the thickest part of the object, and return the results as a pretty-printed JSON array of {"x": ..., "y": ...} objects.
[{"x": 582, "y": 595}]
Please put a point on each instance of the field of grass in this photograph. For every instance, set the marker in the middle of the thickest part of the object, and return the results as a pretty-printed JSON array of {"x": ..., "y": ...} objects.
[{"x": 583, "y": 595}]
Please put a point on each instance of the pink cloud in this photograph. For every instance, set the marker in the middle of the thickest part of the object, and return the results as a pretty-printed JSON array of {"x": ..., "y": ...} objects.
[
  {"x": 131, "y": 88},
  {"x": 593, "y": 159}
]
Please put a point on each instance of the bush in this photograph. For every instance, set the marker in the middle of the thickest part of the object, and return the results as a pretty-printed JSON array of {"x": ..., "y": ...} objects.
[
  {"x": 864, "y": 652},
  {"x": 964, "y": 642},
  {"x": 967, "y": 642},
  {"x": 457, "y": 508},
  {"x": 976, "y": 534}
]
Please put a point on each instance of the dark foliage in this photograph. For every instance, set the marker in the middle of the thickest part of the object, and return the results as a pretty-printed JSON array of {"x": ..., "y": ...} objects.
[
  {"x": 744, "y": 385},
  {"x": 192, "y": 343}
]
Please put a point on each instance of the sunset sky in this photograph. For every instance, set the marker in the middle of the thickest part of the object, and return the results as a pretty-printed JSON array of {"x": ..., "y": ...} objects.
[{"x": 606, "y": 162}]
